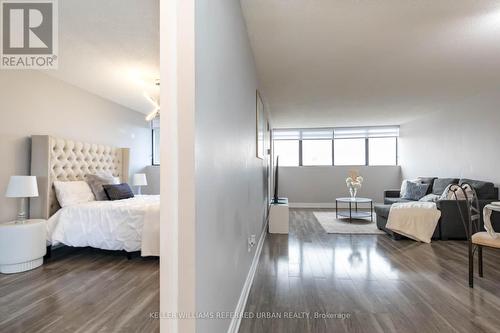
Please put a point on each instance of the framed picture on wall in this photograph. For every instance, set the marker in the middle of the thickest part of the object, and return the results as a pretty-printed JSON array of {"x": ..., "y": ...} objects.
[{"x": 260, "y": 127}]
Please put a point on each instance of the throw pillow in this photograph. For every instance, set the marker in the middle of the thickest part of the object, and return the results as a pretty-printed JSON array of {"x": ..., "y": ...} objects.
[
  {"x": 448, "y": 193},
  {"x": 427, "y": 180},
  {"x": 415, "y": 191},
  {"x": 118, "y": 191},
  {"x": 97, "y": 181},
  {"x": 402, "y": 192},
  {"x": 73, "y": 193},
  {"x": 440, "y": 184},
  {"x": 403, "y": 188}
]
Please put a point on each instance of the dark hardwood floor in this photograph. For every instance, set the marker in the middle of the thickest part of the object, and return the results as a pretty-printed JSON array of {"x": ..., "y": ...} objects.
[
  {"x": 380, "y": 284},
  {"x": 82, "y": 290}
]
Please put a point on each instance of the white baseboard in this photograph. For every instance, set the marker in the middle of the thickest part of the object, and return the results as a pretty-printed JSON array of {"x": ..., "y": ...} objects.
[{"x": 242, "y": 302}]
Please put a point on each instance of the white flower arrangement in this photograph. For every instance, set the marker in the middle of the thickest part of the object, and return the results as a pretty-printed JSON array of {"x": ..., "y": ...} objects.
[{"x": 354, "y": 183}]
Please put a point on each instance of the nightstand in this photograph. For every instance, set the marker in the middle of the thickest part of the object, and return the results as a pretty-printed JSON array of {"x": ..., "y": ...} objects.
[{"x": 22, "y": 245}]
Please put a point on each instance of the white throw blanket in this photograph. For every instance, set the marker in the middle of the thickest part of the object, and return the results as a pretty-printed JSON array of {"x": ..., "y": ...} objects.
[
  {"x": 150, "y": 242},
  {"x": 415, "y": 220}
]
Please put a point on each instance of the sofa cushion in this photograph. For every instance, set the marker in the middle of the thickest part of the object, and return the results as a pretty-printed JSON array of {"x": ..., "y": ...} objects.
[
  {"x": 427, "y": 180},
  {"x": 440, "y": 184},
  {"x": 415, "y": 191},
  {"x": 390, "y": 201},
  {"x": 484, "y": 190}
]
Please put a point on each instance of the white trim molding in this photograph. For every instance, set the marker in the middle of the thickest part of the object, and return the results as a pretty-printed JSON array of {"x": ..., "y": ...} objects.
[{"x": 242, "y": 302}]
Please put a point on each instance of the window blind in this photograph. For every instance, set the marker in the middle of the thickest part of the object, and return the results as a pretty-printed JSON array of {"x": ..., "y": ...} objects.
[
  {"x": 336, "y": 133},
  {"x": 366, "y": 132}
]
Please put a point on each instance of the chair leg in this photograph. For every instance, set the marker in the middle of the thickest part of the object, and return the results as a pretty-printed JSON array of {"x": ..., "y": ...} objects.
[
  {"x": 471, "y": 267},
  {"x": 480, "y": 260}
]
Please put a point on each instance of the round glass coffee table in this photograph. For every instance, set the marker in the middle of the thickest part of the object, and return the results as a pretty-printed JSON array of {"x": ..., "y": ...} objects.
[{"x": 353, "y": 212}]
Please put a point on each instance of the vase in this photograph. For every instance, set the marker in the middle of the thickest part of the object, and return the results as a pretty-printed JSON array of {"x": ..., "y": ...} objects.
[{"x": 353, "y": 192}]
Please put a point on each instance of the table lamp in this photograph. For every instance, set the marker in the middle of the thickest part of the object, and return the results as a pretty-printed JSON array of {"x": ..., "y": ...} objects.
[
  {"x": 139, "y": 179},
  {"x": 22, "y": 187}
]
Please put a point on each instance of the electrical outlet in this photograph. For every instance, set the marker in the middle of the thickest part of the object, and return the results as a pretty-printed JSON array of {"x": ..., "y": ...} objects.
[{"x": 251, "y": 242}]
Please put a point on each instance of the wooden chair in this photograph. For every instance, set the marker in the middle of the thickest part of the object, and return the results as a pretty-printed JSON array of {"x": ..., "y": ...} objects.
[{"x": 471, "y": 219}]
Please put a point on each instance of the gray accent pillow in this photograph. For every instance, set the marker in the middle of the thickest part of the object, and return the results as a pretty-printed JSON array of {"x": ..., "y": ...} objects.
[
  {"x": 415, "y": 191},
  {"x": 427, "y": 180},
  {"x": 402, "y": 192},
  {"x": 440, "y": 184},
  {"x": 118, "y": 192},
  {"x": 96, "y": 183}
]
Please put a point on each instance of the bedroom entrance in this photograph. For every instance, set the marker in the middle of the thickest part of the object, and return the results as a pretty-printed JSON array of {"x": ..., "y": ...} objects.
[{"x": 80, "y": 218}]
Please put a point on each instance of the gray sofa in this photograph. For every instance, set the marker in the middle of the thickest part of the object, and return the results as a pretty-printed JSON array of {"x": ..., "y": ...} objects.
[{"x": 450, "y": 225}]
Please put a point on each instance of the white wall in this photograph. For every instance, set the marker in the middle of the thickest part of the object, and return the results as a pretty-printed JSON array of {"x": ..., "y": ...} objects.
[
  {"x": 460, "y": 141},
  {"x": 230, "y": 180},
  {"x": 34, "y": 103},
  {"x": 318, "y": 186}
]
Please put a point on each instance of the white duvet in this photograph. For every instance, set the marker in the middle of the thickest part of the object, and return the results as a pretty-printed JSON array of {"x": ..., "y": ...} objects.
[{"x": 130, "y": 225}]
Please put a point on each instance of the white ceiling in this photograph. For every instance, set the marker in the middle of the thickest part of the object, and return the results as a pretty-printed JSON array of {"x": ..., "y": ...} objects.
[
  {"x": 371, "y": 62},
  {"x": 111, "y": 48}
]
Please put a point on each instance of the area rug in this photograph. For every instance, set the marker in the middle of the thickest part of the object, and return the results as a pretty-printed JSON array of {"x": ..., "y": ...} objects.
[{"x": 332, "y": 225}]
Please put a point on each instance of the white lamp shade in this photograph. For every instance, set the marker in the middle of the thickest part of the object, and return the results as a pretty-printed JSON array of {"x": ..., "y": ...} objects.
[
  {"x": 139, "y": 179},
  {"x": 22, "y": 187}
]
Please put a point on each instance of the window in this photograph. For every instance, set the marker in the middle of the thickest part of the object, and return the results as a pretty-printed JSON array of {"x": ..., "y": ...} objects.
[
  {"x": 317, "y": 152},
  {"x": 155, "y": 125},
  {"x": 288, "y": 152},
  {"x": 350, "y": 151},
  {"x": 383, "y": 151},
  {"x": 337, "y": 146}
]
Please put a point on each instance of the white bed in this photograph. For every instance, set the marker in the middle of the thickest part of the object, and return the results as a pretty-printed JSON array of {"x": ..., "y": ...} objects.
[{"x": 130, "y": 225}]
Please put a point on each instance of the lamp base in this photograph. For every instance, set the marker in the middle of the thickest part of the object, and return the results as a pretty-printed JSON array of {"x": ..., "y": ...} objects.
[
  {"x": 139, "y": 190},
  {"x": 22, "y": 215}
]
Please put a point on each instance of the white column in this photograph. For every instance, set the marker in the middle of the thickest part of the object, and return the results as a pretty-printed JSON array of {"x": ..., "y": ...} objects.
[{"x": 177, "y": 227}]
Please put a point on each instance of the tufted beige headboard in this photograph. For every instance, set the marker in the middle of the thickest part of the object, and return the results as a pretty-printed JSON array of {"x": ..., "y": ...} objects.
[{"x": 65, "y": 160}]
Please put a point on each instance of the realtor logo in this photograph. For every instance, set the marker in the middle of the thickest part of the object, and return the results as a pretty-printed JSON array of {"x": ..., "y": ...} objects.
[{"x": 29, "y": 34}]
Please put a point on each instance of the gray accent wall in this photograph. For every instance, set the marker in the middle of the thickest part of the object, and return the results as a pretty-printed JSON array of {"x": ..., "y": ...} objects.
[
  {"x": 318, "y": 186},
  {"x": 34, "y": 103},
  {"x": 230, "y": 180},
  {"x": 459, "y": 141}
]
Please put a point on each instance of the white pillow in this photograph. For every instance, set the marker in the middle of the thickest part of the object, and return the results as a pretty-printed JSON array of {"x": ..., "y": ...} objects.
[
  {"x": 449, "y": 195},
  {"x": 73, "y": 193}
]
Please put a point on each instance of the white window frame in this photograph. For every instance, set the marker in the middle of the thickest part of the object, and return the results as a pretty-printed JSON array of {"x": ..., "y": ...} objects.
[
  {"x": 155, "y": 126},
  {"x": 335, "y": 133}
]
